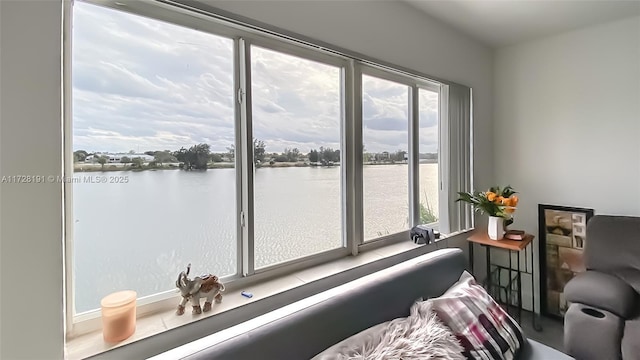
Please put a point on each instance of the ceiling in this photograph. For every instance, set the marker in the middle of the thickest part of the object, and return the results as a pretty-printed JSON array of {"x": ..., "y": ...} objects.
[{"x": 499, "y": 23}]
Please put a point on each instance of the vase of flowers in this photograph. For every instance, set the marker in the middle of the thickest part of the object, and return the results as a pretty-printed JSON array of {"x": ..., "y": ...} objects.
[{"x": 498, "y": 203}]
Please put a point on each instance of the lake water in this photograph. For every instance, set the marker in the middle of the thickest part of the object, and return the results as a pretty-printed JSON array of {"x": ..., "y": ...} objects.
[{"x": 139, "y": 235}]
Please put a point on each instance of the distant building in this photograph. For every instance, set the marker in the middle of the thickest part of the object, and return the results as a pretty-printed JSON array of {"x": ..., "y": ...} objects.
[
  {"x": 383, "y": 156},
  {"x": 117, "y": 157}
]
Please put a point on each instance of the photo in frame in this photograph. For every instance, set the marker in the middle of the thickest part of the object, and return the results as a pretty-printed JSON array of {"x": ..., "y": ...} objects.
[{"x": 563, "y": 234}]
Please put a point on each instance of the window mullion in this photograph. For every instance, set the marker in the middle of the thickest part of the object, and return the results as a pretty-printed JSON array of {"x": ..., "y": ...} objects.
[
  {"x": 444, "y": 160},
  {"x": 244, "y": 158},
  {"x": 357, "y": 158},
  {"x": 349, "y": 210},
  {"x": 414, "y": 158},
  {"x": 67, "y": 126}
]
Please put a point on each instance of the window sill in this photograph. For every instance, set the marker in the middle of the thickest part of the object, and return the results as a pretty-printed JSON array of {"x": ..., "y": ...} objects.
[{"x": 92, "y": 344}]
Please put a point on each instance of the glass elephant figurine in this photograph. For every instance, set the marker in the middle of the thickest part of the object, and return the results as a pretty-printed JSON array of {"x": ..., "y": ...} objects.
[{"x": 208, "y": 286}]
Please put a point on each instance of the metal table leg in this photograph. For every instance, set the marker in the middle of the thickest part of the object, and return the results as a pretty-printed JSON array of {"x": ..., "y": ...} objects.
[
  {"x": 508, "y": 294},
  {"x": 471, "y": 256},
  {"x": 534, "y": 315},
  {"x": 519, "y": 277},
  {"x": 488, "y": 254}
]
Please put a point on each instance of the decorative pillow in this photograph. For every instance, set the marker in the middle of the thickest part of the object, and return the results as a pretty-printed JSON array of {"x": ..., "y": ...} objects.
[
  {"x": 421, "y": 336},
  {"x": 483, "y": 328}
]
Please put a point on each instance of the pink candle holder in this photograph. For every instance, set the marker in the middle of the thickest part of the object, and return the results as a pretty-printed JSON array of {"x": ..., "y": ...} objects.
[{"x": 118, "y": 315}]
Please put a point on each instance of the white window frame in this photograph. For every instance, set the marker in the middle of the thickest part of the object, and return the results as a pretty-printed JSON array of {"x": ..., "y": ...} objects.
[
  {"x": 437, "y": 88},
  {"x": 414, "y": 84},
  {"x": 351, "y": 148},
  {"x": 246, "y": 272},
  {"x": 249, "y": 167}
]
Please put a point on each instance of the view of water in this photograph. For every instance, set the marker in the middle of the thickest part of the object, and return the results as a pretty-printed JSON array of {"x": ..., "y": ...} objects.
[{"x": 139, "y": 235}]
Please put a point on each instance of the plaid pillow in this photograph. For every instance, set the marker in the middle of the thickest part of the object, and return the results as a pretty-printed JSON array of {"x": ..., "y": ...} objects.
[{"x": 483, "y": 328}]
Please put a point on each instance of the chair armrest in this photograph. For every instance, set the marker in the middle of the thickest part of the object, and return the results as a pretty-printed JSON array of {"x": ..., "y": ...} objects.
[{"x": 602, "y": 291}]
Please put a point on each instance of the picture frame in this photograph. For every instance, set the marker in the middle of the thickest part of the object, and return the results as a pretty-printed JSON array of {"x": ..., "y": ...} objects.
[{"x": 562, "y": 234}]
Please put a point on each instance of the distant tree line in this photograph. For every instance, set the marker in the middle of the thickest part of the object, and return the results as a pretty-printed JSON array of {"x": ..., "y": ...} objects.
[
  {"x": 196, "y": 157},
  {"x": 289, "y": 155},
  {"x": 324, "y": 155},
  {"x": 385, "y": 157},
  {"x": 199, "y": 157}
]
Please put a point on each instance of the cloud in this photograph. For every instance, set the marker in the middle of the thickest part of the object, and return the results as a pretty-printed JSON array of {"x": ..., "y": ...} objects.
[
  {"x": 387, "y": 124},
  {"x": 109, "y": 78},
  {"x": 271, "y": 107},
  {"x": 428, "y": 112},
  {"x": 144, "y": 84},
  {"x": 428, "y": 118}
]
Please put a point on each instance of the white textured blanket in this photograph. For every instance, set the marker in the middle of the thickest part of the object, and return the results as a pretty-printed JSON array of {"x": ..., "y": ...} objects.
[{"x": 421, "y": 336}]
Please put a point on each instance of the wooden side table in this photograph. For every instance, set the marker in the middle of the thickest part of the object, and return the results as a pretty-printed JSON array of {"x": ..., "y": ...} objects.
[{"x": 517, "y": 246}]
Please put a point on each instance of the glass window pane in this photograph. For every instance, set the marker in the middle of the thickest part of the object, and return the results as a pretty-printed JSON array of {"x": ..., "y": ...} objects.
[
  {"x": 296, "y": 128},
  {"x": 154, "y": 182},
  {"x": 428, "y": 107},
  {"x": 385, "y": 135}
]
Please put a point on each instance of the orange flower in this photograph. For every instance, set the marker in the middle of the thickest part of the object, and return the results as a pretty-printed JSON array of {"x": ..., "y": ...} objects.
[
  {"x": 491, "y": 196},
  {"x": 510, "y": 204},
  {"x": 499, "y": 200},
  {"x": 514, "y": 200}
]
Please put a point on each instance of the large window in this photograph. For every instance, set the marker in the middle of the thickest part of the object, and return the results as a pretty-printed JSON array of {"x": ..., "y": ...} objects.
[
  {"x": 385, "y": 134},
  {"x": 428, "y": 155},
  {"x": 234, "y": 151},
  {"x": 154, "y": 186},
  {"x": 296, "y": 126}
]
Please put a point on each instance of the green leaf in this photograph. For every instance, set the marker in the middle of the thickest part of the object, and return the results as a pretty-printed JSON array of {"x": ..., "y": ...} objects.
[
  {"x": 480, "y": 203},
  {"x": 508, "y": 191}
]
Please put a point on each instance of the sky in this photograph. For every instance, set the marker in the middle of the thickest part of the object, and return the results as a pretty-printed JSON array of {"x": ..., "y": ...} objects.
[{"x": 142, "y": 84}]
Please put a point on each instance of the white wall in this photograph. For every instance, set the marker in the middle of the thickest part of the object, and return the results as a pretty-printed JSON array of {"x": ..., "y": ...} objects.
[
  {"x": 567, "y": 121},
  {"x": 31, "y": 215},
  {"x": 31, "y": 311}
]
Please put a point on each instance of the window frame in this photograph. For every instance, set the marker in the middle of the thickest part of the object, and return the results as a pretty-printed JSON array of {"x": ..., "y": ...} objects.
[
  {"x": 437, "y": 88},
  {"x": 414, "y": 84},
  {"x": 351, "y": 140},
  {"x": 249, "y": 166},
  {"x": 79, "y": 323}
]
